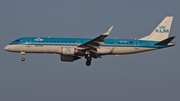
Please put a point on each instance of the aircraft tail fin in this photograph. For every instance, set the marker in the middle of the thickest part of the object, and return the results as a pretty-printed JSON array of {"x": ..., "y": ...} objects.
[{"x": 162, "y": 31}]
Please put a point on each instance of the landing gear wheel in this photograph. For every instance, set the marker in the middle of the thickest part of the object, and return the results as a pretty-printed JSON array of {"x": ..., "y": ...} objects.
[
  {"x": 88, "y": 63},
  {"x": 23, "y": 59}
]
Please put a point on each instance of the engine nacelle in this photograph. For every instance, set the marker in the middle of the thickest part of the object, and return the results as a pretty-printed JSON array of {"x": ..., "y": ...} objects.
[
  {"x": 67, "y": 50},
  {"x": 69, "y": 58}
]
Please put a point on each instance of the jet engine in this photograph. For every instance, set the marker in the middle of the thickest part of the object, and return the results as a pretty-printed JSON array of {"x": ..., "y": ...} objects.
[{"x": 69, "y": 58}]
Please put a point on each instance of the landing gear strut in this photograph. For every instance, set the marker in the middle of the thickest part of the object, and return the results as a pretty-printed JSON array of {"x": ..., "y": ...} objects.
[{"x": 23, "y": 56}]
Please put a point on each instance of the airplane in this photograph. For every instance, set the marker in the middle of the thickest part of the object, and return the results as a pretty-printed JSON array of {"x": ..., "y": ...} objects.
[{"x": 71, "y": 49}]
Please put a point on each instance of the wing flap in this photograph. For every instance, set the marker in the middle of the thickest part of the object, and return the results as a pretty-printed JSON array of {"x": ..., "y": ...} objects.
[{"x": 93, "y": 46}]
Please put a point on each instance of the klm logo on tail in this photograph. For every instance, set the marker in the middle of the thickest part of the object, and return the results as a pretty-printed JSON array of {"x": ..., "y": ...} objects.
[{"x": 162, "y": 29}]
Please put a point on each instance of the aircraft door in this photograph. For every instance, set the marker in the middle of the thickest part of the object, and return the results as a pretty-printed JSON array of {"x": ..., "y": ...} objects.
[
  {"x": 28, "y": 42},
  {"x": 136, "y": 44}
]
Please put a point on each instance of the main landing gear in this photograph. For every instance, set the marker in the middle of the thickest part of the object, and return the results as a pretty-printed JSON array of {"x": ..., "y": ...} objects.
[
  {"x": 23, "y": 56},
  {"x": 88, "y": 60}
]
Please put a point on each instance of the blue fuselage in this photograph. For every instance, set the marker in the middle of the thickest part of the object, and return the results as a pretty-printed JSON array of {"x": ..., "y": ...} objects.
[{"x": 77, "y": 41}]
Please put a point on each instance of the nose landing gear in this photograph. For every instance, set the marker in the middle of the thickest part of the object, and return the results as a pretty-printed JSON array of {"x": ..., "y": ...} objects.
[
  {"x": 23, "y": 59},
  {"x": 23, "y": 56}
]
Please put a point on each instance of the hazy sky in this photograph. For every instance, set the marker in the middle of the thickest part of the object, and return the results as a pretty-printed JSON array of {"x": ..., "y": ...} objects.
[{"x": 150, "y": 76}]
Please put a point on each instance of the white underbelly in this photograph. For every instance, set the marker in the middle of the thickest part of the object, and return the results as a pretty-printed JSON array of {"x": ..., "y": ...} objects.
[
  {"x": 102, "y": 50},
  {"x": 40, "y": 49},
  {"x": 122, "y": 50}
]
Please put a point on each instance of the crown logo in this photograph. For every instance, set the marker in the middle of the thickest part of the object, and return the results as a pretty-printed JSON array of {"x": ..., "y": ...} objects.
[{"x": 162, "y": 27}]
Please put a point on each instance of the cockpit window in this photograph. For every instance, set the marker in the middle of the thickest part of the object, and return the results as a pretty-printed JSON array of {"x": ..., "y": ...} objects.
[{"x": 17, "y": 41}]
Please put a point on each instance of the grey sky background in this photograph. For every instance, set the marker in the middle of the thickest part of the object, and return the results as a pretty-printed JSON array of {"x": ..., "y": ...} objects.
[{"x": 149, "y": 76}]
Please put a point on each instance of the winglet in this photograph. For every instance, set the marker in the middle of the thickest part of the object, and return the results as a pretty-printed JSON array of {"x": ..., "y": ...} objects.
[{"x": 107, "y": 33}]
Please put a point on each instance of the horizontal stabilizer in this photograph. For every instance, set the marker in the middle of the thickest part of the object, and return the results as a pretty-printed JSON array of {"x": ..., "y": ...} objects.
[{"x": 166, "y": 41}]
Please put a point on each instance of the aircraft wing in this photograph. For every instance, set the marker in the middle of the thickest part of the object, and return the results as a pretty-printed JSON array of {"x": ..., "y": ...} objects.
[{"x": 93, "y": 44}]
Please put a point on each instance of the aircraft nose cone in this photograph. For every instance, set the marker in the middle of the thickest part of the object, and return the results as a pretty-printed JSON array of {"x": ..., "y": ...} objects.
[{"x": 6, "y": 48}]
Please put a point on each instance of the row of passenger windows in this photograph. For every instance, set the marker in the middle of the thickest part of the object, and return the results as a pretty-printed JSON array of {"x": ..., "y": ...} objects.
[
  {"x": 61, "y": 41},
  {"x": 129, "y": 42}
]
